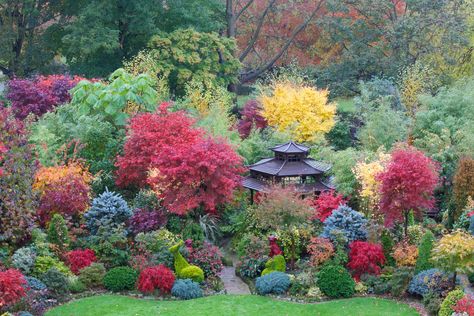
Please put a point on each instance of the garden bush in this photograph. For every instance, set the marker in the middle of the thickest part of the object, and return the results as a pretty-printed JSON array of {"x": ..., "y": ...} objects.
[
  {"x": 208, "y": 258},
  {"x": 56, "y": 282},
  {"x": 365, "y": 258},
  {"x": 93, "y": 275},
  {"x": 159, "y": 277},
  {"x": 45, "y": 263},
  {"x": 24, "y": 259},
  {"x": 194, "y": 232},
  {"x": 272, "y": 283},
  {"x": 432, "y": 302},
  {"x": 251, "y": 267},
  {"x": 297, "y": 288},
  {"x": 111, "y": 246},
  {"x": 432, "y": 280},
  {"x": 377, "y": 285},
  {"x": 447, "y": 307},
  {"x": 465, "y": 305},
  {"x": 145, "y": 220},
  {"x": 387, "y": 245},
  {"x": 186, "y": 289},
  {"x": 400, "y": 281},
  {"x": 58, "y": 232},
  {"x": 76, "y": 286},
  {"x": 405, "y": 254},
  {"x": 12, "y": 287},
  {"x": 35, "y": 284},
  {"x": 320, "y": 250},
  {"x": 120, "y": 279},
  {"x": 79, "y": 259},
  {"x": 326, "y": 203},
  {"x": 424, "y": 252},
  {"x": 155, "y": 241},
  {"x": 351, "y": 223},
  {"x": 250, "y": 245},
  {"x": 335, "y": 282},
  {"x": 108, "y": 210},
  {"x": 275, "y": 264}
]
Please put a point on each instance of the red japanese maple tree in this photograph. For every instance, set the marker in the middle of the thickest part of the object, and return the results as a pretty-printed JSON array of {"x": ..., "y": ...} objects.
[
  {"x": 79, "y": 259},
  {"x": 184, "y": 167},
  {"x": 152, "y": 278},
  {"x": 407, "y": 184},
  {"x": 148, "y": 134},
  {"x": 12, "y": 287},
  {"x": 365, "y": 257},
  {"x": 251, "y": 117},
  {"x": 326, "y": 203}
]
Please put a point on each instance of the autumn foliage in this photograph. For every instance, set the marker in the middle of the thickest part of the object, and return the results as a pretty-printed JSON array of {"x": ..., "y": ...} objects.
[
  {"x": 12, "y": 287},
  {"x": 407, "y": 183},
  {"x": 251, "y": 117},
  {"x": 326, "y": 203},
  {"x": 320, "y": 250},
  {"x": 365, "y": 258},
  {"x": 405, "y": 255},
  {"x": 63, "y": 189},
  {"x": 79, "y": 259},
  {"x": 303, "y": 111},
  {"x": 184, "y": 167},
  {"x": 152, "y": 278},
  {"x": 40, "y": 95}
]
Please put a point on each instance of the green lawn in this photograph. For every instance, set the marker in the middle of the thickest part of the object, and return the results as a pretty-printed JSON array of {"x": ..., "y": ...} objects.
[{"x": 225, "y": 305}]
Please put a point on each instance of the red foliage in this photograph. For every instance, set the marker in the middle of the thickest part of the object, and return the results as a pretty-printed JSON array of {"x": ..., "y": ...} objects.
[
  {"x": 79, "y": 259},
  {"x": 208, "y": 257},
  {"x": 274, "y": 248},
  {"x": 365, "y": 257},
  {"x": 320, "y": 250},
  {"x": 12, "y": 287},
  {"x": 186, "y": 169},
  {"x": 159, "y": 277},
  {"x": 407, "y": 183},
  {"x": 39, "y": 95},
  {"x": 147, "y": 135},
  {"x": 326, "y": 203},
  {"x": 465, "y": 305},
  {"x": 251, "y": 117}
]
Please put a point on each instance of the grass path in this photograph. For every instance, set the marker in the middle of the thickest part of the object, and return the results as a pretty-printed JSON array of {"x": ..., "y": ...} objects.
[{"x": 228, "y": 305}]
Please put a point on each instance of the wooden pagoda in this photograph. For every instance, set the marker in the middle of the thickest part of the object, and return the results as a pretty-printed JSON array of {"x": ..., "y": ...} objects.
[{"x": 289, "y": 166}]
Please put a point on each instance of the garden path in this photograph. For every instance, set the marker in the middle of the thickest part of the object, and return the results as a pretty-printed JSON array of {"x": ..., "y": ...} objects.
[{"x": 232, "y": 283}]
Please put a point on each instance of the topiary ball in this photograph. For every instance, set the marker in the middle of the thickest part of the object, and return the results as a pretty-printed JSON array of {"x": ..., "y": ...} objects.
[
  {"x": 334, "y": 281},
  {"x": 192, "y": 272},
  {"x": 273, "y": 283},
  {"x": 120, "y": 279},
  {"x": 186, "y": 289}
]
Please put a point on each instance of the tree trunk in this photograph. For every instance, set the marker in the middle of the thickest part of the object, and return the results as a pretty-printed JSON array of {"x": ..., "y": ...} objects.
[
  {"x": 406, "y": 223},
  {"x": 454, "y": 279}
]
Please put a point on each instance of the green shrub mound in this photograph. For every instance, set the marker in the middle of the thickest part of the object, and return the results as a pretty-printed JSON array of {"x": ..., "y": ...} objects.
[
  {"x": 120, "y": 279},
  {"x": 334, "y": 281},
  {"x": 93, "y": 275},
  {"x": 275, "y": 264},
  {"x": 424, "y": 252},
  {"x": 446, "y": 308},
  {"x": 273, "y": 283},
  {"x": 183, "y": 269},
  {"x": 44, "y": 263},
  {"x": 186, "y": 289},
  {"x": 76, "y": 286},
  {"x": 24, "y": 259},
  {"x": 56, "y": 282}
]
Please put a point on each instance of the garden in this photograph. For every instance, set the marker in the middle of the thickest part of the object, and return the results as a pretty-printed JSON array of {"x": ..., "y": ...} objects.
[{"x": 245, "y": 157}]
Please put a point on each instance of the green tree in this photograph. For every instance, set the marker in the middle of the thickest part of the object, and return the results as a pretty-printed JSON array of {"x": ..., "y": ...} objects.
[
  {"x": 28, "y": 32},
  {"x": 104, "y": 32},
  {"x": 424, "y": 252},
  {"x": 186, "y": 55},
  {"x": 58, "y": 233}
]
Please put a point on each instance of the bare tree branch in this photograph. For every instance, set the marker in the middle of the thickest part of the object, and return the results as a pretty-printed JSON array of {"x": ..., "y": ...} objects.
[
  {"x": 256, "y": 33},
  {"x": 243, "y": 9}
]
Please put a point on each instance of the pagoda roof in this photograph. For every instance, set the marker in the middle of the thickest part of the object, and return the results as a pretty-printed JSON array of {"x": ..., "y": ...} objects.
[
  {"x": 284, "y": 168},
  {"x": 262, "y": 186},
  {"x": 290, "y": 148}
]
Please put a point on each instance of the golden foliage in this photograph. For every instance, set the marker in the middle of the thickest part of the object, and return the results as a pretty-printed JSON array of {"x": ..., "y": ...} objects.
[
  {"x": 454, "y": 252},
  {"x": 301, "y": 110},
  {"x": 49, "y": 175},
  {"x": 405, "y": 254}
]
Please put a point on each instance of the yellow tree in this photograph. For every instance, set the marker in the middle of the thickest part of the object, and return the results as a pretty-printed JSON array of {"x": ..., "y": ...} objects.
[
  {"x": 366, "y": 173},
  {"x": 301, "y": 110},
  {"x": 454, "y": 253}
]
